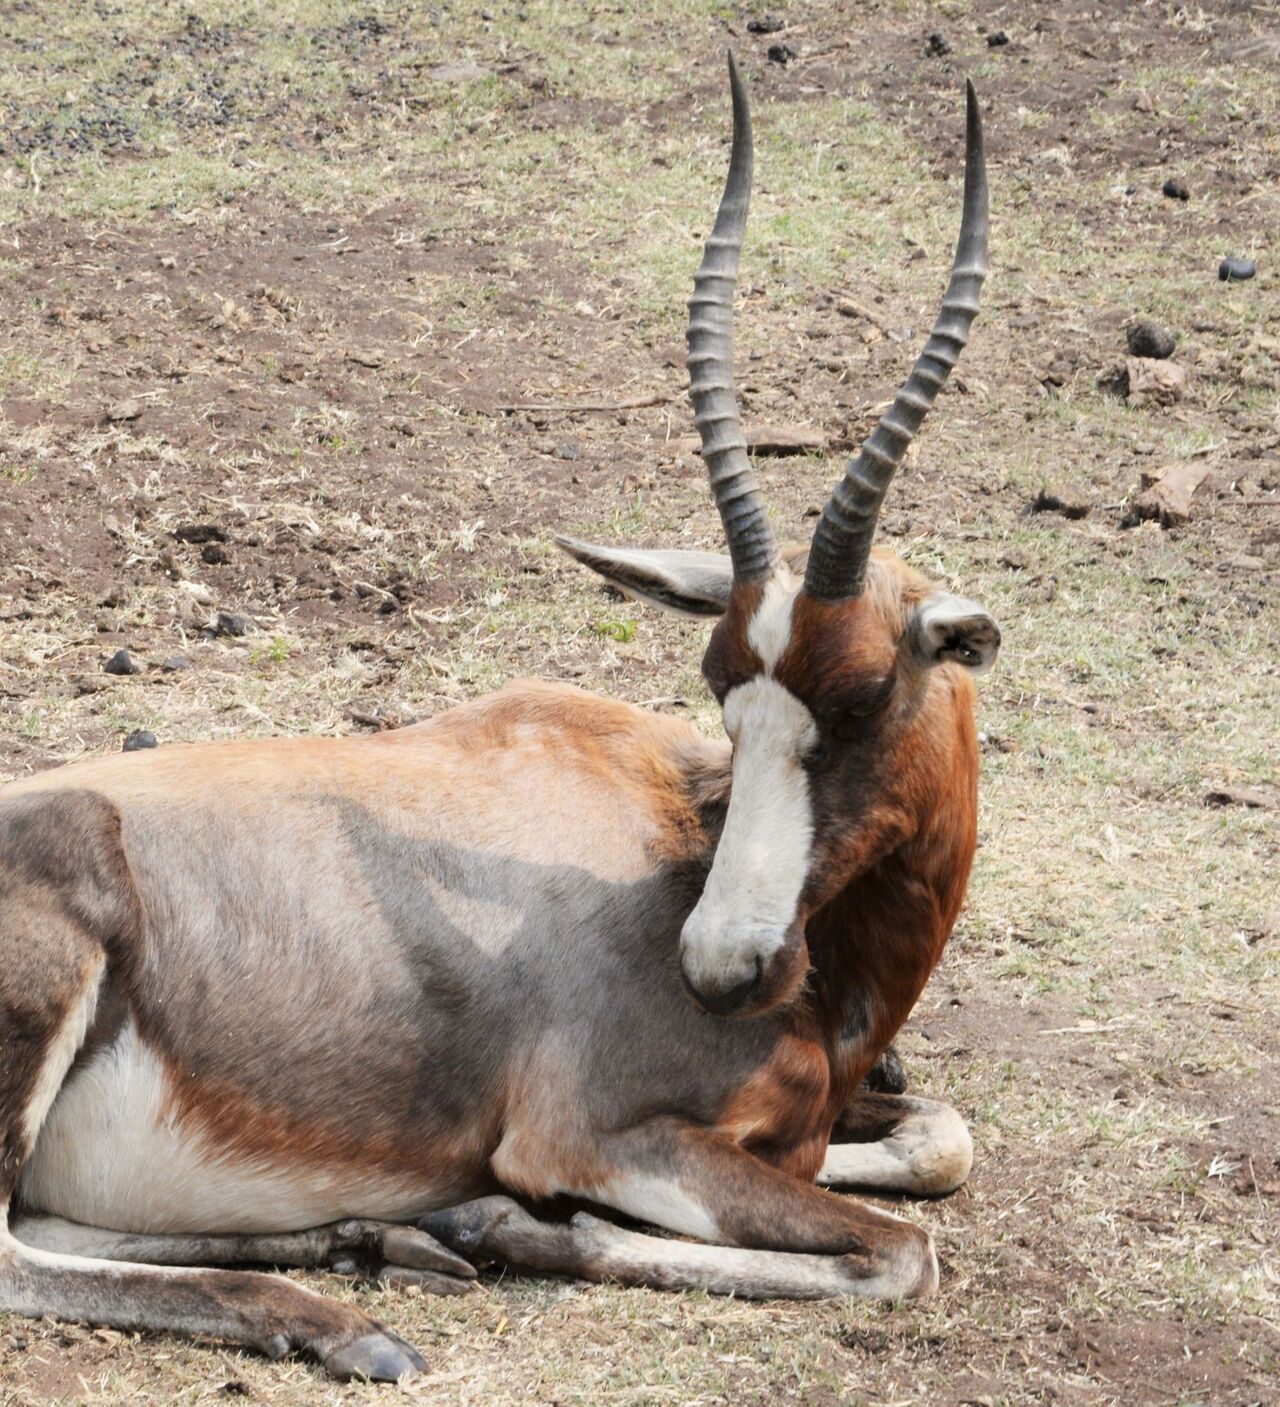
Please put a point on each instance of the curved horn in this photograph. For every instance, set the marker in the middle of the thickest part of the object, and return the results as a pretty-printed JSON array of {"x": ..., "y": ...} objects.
[
  {"x": 710, "y": 362},
  {"x": 842, "y": 540}
]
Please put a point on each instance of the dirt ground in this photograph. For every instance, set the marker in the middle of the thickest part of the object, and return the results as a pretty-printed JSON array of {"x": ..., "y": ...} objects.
[{"x": 274, "y": 278}]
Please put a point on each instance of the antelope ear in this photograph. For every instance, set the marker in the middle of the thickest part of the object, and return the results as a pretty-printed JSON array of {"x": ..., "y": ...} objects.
[
  {"x": 693, "y": 584},
  {"x": 947, "y": 627}
]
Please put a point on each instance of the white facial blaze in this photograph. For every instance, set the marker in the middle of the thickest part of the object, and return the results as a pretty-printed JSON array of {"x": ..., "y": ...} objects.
[{"x": 762, "y": 861}]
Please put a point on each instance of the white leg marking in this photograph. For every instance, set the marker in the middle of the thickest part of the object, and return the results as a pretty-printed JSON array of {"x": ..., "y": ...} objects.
[
  {"x": 661, "y": 1203},
  {"x": 929, "y": 1153}
]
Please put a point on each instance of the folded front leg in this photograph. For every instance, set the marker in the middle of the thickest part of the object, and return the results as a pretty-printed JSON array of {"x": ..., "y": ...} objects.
[
  {"x": 896, "y": 1143},
  {"x": 686, "y": 1179}
]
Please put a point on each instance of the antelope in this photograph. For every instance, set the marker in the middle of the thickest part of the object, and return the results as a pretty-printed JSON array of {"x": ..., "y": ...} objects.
[{"x": 370, "y": 1003}]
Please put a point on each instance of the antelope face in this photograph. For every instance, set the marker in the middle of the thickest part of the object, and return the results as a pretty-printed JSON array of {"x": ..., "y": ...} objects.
[
  {"x": 829, "y": 684},
  {"x": 825, "y": 704}
]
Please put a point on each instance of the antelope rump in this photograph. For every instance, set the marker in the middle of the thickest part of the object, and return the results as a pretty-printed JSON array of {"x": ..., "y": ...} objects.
[{"x": 362, "y": 1003}]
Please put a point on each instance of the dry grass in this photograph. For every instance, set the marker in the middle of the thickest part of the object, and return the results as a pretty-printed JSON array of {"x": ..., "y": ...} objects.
[{"x": 1105, "y": 1014}]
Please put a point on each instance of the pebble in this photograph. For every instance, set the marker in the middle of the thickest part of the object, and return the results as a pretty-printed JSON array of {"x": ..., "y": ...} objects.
[
  {"x": 569, "y": 450},
  {"x": 122, "y": 662},
  {"x": 175, "y": 663},
  {"x": 766, "y": 24},
  {"x": 138, "y": 739},
  {"x": 1236, "y": 270},
  {"x": 997, "y": 40},
  {"x": 215, "y": 554},
  {"x": 229, "y": 623},
  {"x": 1175, "y": 190},
  {"x": 1149, "y": 339}
]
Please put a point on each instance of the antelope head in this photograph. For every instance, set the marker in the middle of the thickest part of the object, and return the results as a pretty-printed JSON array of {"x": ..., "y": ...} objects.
[{"x": 839, "y": 676}]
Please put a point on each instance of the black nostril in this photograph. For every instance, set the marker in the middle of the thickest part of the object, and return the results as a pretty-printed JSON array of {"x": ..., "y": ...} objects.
[{"x": 725, "y": 1003}]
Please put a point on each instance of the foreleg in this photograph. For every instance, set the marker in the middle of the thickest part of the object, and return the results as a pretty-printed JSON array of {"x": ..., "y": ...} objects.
[
  {"x": 897, "y": 1143},
  {"x": 779, "y": 1236}
]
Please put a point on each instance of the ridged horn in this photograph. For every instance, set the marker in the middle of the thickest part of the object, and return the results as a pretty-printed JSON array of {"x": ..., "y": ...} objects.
[
  {"x": 842, "y": 540},
  {"x": 710, "y": 362}
]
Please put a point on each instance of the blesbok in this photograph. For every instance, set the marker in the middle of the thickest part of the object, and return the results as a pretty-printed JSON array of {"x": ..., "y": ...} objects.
[{"x": 335, "y": 1002}]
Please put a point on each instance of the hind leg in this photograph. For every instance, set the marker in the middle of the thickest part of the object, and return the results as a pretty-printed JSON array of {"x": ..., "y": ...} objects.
[
  {"x": 67, "y": 907},
  {"x": 374, "y": 1250}
]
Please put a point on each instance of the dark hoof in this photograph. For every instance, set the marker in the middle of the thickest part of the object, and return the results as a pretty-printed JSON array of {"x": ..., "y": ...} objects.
[
  {"x": 427, "y": 1281},
  {"x": 887, "y": 1075},
  {"x": 379, "y": 1358},
  {"x": 416, "y": 1250},
  {"x": 464, "y": 1228}
]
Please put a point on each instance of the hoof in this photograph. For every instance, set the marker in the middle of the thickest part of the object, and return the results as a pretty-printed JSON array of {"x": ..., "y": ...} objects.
[{"x": 379, "y": 1357}]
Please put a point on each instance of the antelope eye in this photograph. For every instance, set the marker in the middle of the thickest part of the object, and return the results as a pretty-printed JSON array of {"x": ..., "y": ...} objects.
[{"x": 850, "y": 716}]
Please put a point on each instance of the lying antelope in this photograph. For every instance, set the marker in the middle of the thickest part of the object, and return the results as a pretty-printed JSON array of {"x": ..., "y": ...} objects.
[{"x": 335, "y": 1002}]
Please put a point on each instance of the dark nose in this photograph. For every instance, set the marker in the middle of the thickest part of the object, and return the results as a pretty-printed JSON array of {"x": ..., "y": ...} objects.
[{"x": 724, "y": 1001}]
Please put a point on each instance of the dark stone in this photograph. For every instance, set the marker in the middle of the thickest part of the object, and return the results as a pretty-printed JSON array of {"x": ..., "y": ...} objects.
[
  {"x": 139, "y": 739},
  {"x": 175, "y": 663},
  {"x": 122, "y": 662},
  {"x": 1047, "y": 502},
  {"x": 200, "y": 532},
  {"x": 780, "y": 54},
  {"x": 215, "y": 554},
  {"x": 1236, "y": 270},
  {"x": 229, "y": 623},
  {"x": 1149, "y": 339},
  {"x": 766, "y": 24},
  {"x": 936, "y": 45},
  {"x": 997, "y": 40},
  {"x": 1175, "y": 190}
]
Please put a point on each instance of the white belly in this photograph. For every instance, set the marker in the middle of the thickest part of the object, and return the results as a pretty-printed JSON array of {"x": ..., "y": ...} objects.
[{"x": 109, "y": 1155}]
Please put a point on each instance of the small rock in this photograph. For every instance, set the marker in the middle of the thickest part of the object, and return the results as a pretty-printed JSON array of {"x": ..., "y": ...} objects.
[
  {"x": 138, "y": 739},
  {"x": 458, "y": 73},
  {"x": 1175, "y": 190},
  {"x": 215, "y": 554},
  {"x": 569, "y": 450},
  {"x": 766, "y": 24},
  {"x": 936, "y": 45},
  {"x": 236, "y": 626},
  {"x": 200, "y": 532},
  {"x": 1047, "y": 502},
  {"x": 373, "y": 360},
  {"x": 1154, "y": 382},
  {"x": 122, "y": 662},
  {"x": 1169, "y": 495},
  {"x": 1236, "y": 270},
  {"x": 997, "y": 40},
  {"x": 175, "y": 663},
  {"x": 129, "y": 409},
  {"x": 1252, "y": 798},
  {"x": 1149, "y": 339},
  {"x": 1145, "y": 381},
  {"x": 781, "y": 54}
]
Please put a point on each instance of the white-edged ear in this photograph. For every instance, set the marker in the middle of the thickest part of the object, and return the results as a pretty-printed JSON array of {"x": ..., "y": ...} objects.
[
  {"x": 947, "y": 627},
  {"x": 692, "y": 584}
]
